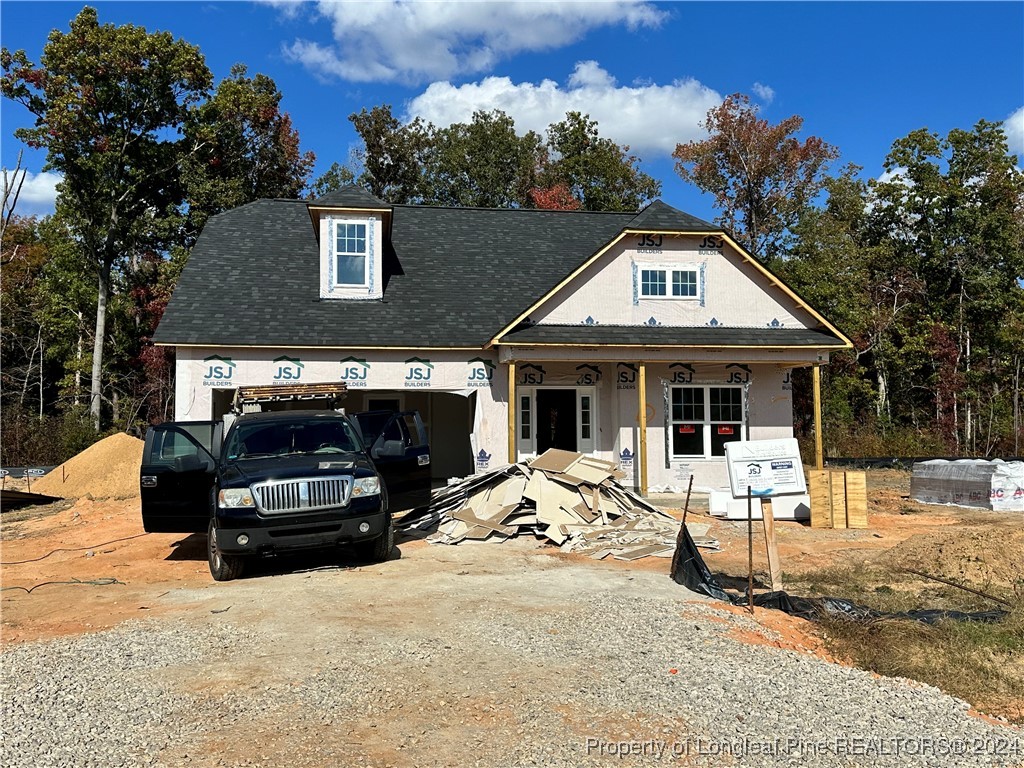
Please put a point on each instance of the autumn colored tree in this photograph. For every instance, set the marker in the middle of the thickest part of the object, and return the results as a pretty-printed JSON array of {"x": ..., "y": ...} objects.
[
  {"x": 557, "y": 197},
  {"x": 246, "y": 149},
  {"x": 109, "y": 103},
  {"x": 761, "y": 175}
]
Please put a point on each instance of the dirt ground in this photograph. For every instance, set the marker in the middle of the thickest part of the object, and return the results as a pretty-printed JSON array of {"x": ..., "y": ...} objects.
[{"x": 103, "y": 540}]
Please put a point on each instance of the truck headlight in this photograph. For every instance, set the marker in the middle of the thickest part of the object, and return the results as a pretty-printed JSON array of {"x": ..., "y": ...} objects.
[
  {"x": 236, "y": 497},
  {"x": 366, "y": 486}
]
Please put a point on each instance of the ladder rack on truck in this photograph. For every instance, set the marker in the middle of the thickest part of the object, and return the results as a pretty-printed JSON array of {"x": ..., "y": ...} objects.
[{"x": 250, "y": 399}]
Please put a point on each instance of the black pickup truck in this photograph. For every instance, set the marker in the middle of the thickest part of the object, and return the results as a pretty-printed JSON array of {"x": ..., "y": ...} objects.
[{"x": 282, "y": 481}]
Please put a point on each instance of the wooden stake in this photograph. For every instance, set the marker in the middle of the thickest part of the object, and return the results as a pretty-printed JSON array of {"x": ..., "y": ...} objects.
[
  {"x": 750, "y": 551},
  {"x": 774, "y": 570}
]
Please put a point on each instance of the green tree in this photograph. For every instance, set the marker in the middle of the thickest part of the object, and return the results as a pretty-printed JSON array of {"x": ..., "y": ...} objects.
[
  {"x": 761, "y": 175},
  {"x": 599, "y": 173},
  {"x": 391, "y": 155},
  {"x": 109, "y": 104},
  {"x": 483, "y": 163},
  {"x": 336, "y": 177},
  {"x": 952, "y": 210}
]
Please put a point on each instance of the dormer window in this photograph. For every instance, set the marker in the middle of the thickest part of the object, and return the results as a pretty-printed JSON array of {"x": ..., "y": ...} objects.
[{"x": 351, "y": 254}]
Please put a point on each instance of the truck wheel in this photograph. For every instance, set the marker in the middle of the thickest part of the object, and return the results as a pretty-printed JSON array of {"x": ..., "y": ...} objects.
[
  {"x": 379, "y": 549},
  {"x": 222, "y": 567}
]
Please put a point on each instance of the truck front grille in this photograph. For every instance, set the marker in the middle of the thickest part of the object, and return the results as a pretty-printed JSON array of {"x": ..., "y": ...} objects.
[{"x": 302, "y": 495}]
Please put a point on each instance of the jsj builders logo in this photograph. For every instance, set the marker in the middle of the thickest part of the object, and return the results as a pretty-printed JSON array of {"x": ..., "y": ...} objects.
[
  {"x": 219, "y": 371},
  {"x": 417, "y": 372},
  {"x": 481, "y": 373},
  {"x": 626, "y": 375},
  {"x": 587, "y": 374},
  {"x": 531, "y": 374},
  {"x": 354, "y": 372},
  {"x": 287, "y": 368},
  {"x": 682, "y": 373}
]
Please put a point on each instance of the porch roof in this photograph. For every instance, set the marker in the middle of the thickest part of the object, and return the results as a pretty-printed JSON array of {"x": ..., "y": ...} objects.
[{"x": 667, "y": 336}]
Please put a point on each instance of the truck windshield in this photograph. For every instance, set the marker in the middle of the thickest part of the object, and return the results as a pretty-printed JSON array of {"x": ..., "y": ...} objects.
[{"x": 258, "y": 439}]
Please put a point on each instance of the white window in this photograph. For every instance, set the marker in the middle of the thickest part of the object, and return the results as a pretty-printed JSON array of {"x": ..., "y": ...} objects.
[
  {"x": 703, "y": 419},
  {"x": 662, "y": 282},
  {"x": 351, "y": 255}
]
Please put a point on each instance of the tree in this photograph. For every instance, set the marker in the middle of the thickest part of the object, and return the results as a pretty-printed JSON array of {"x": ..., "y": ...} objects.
[
  {"x": 483, "y": 163},
  {"x": 392, "y": 154},
  {"x": 953, "y": 211},
  {"x": 336, "y": 177},
  {"x": 554, "y": 198},
  {"x": 599, "y": 173},
  {"x": 247, "y": 150},
  {"x": 109, "y": 104},
  {"x": 761, "y": 175}
]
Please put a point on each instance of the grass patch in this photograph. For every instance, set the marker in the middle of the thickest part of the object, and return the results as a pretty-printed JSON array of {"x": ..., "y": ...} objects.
[{"x": 980, "y": 663}]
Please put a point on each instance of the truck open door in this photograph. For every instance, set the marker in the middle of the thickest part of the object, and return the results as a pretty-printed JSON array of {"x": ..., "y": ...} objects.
[
  {"x": 397, "y": 443},
  {"x": 178, "y": 473}
]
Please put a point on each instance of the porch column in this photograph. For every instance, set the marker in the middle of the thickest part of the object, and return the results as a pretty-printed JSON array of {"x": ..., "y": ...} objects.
[
  {"x": 512, "y": 412},
  {"x": 643, "y": 429},
  {"x": 819, "y": 459}
]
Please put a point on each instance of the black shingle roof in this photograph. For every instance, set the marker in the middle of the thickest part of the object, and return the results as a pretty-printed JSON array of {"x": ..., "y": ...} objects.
[
  {"x": 629, "y": 335},
  {"x": 460, "y": 276},
  {"x": 659, "y": 216},
  {"x": 350, "y": 196}
]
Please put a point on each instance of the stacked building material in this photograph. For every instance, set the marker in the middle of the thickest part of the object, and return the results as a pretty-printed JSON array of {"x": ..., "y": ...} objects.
[{"x": 570, "y": 499}]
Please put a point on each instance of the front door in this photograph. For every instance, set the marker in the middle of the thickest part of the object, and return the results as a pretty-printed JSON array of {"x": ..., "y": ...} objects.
[{"x": 556, "y": 420}]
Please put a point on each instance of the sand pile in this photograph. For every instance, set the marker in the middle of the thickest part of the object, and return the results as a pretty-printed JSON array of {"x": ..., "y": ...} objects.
[{"x": 108, "y": 469}]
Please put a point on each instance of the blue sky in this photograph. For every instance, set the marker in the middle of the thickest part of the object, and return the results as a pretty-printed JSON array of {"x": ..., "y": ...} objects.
[{"x": 861, "y": 74}]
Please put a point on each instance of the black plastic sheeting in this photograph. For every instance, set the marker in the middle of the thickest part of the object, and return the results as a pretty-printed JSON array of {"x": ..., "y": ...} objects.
[{"x": 690, "y": 570}]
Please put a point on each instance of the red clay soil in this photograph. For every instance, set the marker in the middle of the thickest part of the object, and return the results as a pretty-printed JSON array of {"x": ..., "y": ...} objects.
[{"x": 173, "y": 560}]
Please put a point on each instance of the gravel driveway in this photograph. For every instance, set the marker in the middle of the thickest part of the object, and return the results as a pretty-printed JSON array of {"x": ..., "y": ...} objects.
[{"x": 486, "y": 655}]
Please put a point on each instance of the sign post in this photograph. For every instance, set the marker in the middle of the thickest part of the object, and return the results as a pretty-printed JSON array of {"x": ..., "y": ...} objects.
[{"x": 765, "y": 468}]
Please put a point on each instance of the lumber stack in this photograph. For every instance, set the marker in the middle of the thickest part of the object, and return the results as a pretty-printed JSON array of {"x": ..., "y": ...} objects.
[{"x": 572, "y": 500}]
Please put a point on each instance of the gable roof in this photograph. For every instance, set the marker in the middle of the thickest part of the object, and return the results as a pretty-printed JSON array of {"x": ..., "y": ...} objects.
[
  {"x": 348, "y": 196},
  {"x": 659, "y": 216}
]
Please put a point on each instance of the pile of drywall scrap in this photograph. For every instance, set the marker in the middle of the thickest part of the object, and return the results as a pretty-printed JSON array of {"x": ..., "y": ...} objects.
[{"x": 571, "y": 499}]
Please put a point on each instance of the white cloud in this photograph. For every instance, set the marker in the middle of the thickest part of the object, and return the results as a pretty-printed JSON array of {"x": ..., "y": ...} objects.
[
  {"x": 1014, "y": 127},
  {"x": 409, "y": 41},
  {"x": 764, "y": 92},
  {"x": 648, "y": 117},
  {"x": 38, "y": 192},
  {"x": 897, "y": 175}
]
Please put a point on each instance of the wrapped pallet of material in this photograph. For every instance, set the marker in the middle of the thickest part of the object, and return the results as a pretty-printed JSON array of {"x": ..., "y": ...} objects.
[
  {"x": 1008, "y": 486},
  {"x": 974, "y": 483}
]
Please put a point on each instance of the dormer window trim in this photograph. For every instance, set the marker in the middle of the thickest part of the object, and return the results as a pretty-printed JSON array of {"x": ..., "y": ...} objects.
[
  {"x": 344, "y": 234},
  {"x": 350, "y": 239}
]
